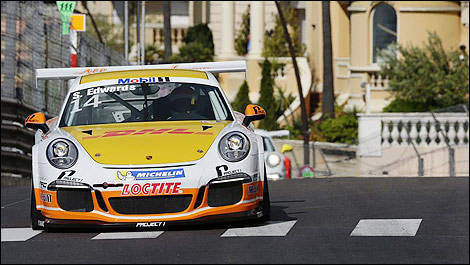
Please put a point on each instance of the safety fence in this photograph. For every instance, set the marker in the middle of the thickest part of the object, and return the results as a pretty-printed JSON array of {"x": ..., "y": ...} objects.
[
  {"x": 326, "y": 159},
  {"x": 429, "y": 144},
  {"x": 31, "y": 38}
]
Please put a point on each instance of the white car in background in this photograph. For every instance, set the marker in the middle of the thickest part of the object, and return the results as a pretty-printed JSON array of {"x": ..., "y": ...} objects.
[{"x": 274, "y": 159}]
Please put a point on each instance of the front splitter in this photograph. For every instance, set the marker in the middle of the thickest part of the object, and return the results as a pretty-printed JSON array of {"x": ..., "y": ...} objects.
[{"x": 253, "y": 214}]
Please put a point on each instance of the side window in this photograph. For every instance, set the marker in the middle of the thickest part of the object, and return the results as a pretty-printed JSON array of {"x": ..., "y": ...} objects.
[
  {"x": 217, "y": 105},
  {"x": 384, "y": 28}
]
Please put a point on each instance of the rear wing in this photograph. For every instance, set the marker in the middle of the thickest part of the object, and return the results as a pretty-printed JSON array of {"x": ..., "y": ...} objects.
[
  {"x": 278, "y": 133},
  {"x": 70, "y": 73}
]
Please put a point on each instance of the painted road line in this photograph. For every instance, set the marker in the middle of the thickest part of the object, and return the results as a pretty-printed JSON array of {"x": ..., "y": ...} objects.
[
  {"x": 18, "y": 234},
  {"x": 271, "y": 229},
  {"x": 13, "y": 203},
  {"x": 128, "y": 235},
  {"x": 386, "y": 227}
]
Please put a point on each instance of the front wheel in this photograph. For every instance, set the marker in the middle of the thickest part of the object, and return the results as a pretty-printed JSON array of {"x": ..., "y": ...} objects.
[
  {"x": 34, "y": 212},
  {"x": 266, "y": 200}
]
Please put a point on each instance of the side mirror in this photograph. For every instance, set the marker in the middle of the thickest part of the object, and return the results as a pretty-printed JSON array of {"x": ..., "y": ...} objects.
[
  {"x": 37, "y": 121},
  {"x": 253, "y": 113},
  {"x": 286, "y": 148}
]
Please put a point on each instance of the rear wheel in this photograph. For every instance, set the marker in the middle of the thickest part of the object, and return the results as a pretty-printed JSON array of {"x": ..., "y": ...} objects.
[
  {"x": 266, "y": 200},
  {"x": 34, "y": 212}
]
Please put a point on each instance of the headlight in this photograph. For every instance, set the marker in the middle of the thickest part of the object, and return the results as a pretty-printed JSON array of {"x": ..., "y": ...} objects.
[
  {"x": 273, "y": 160},
  {"x": 234, "y": 146},
  {"x": 62, "y": 153},
  {"x": 60, "y": 149}
]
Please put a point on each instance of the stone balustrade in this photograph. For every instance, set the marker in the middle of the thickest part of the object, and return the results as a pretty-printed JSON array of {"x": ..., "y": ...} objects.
[
  {"x": 177, "y": 36},
  {"x": 425, "y": 131},
  {"x": 378, "y": 82},
  {"x": 413, "y": 144},
  {"x": 379, "y": 130}
]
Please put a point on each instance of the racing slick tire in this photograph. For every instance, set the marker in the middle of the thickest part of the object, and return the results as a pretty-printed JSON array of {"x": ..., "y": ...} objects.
[
  {"x": 34, "y": 212},
  {"x": 266, "y": 200}
]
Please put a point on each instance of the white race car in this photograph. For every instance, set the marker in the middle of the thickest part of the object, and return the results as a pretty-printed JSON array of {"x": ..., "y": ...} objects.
[
  {"x": 146, "y": 146},
  {"x": 275, "y": 160}
]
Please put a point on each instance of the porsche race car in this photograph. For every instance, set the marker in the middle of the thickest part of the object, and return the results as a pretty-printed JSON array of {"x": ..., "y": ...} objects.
[{"x": 146, "y": 146}]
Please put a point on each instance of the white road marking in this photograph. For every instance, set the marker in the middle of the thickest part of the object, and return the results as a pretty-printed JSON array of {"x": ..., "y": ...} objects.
[
  {"x": 128, "y": 235},
  {"x": 387, "y": 227},
  {"x": 13, "y": 203},
  {"x": 271, "y": 229},
  {"x": 18, "y": 234}
]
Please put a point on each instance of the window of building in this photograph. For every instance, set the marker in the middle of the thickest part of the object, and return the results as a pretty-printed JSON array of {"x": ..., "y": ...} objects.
[{"x": 384, "y": 28}]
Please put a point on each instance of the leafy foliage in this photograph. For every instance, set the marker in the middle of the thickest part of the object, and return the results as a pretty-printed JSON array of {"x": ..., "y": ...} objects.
[
  {"x": 242, "y": 99},
  {"x": 400, "y": 105},
  {"x": 422, "y": 79},
  {"x": 192, "y": 52},
  {"x": 295, "y": 129},
  {"x": 342, "y": 129},
  {"x": 198, "y": 46},
  {"x": 283, "y": 101},
  {"x": 202, "y": 34},
  {"x": 153, "y": 54},
  {"x": 275, "y": 44},
  {"x": 266, "y": 99},
  {"x": 241, "y": 39},
  {"x": 112, "y": 35}
]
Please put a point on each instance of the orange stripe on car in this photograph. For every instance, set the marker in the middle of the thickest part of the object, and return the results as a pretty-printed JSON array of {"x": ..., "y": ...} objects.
[{"x": 53, "y": 211}]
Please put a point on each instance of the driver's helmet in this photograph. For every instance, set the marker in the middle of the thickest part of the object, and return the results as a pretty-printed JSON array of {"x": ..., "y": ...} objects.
[{"x": 183, "y": 99}]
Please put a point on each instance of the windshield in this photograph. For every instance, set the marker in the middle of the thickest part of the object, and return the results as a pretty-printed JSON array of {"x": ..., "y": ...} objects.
[
  {"x": 168, "y": 101},
  {"x": 268, "y": 145}
]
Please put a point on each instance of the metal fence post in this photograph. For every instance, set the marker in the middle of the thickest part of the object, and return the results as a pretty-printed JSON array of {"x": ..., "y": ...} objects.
[
  {"x": 420, "y": 166},
  {"x": 326, "y": 162},
  {"x": 451, "y": 162},
  {"x": 313, "y": 155}
]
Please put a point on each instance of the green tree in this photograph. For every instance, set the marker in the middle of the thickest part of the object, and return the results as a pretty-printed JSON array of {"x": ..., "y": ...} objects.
[
  {"x": 342, "y": 129},
  {"x": 153, "y": 55},
  {"x": 267, "y": 99},
  {"x": 198, "y": 46},
  {"x": 241, "y": 39},
  {"x": 242, "y": 99},
  {"x": 202, "y": 34},
  {"x": 422, "y": 79},
  {"x": 192, "y": 52},
  {"x": 274, "y": 40},
  {"x": 110, "y": 35},
  {"x": 292, "y": 51},
  {"x": 283, "y": 102}
]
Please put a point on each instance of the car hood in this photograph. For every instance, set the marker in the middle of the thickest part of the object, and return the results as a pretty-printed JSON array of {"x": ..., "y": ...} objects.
[{"x": 147, "y": 142}]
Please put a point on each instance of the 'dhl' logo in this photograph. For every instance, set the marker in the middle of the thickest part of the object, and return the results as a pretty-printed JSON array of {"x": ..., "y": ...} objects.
[{"x": 221, "y": 169}]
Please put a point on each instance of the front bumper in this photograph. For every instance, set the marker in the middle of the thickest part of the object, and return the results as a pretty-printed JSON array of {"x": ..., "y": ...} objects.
[
  {"x": 276, "y": 173},
  {"x": 101, "y": 212}
]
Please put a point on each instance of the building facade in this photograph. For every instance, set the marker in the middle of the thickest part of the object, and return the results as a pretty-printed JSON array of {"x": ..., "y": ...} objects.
[{"x": 358, "y": 29}]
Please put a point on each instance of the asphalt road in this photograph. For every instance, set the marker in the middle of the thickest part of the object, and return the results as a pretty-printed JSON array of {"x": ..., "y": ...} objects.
[{"x": 316, "y": 216}]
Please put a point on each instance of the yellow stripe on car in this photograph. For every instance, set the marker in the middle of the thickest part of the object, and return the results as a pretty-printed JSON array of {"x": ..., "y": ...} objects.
[{"x": 143, "y": 74}]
